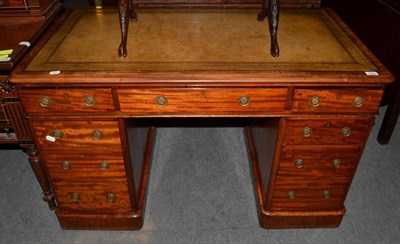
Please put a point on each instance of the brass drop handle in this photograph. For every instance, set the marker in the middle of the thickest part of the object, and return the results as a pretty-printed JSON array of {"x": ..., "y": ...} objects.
[
  {"x": 326, "y": 194},
  {"x": 57, "y": 133},
  {"x": 307, "y": 131},
  {"x": 89, "y": 101},
  {"x": 291, "y": 194},
  {"x": 358, "y": 101},
  {"x": 45, "y": 101},
  {"x": 104, "y": 165},
  {"x": 315, "y": 101},
  {"x": 336, "y": 163},
  {"x": 66, "y": 165},
  {"x": 111, "y": 197},
  {"x": 299, "y": 163},
  {"x": 98, "y": 134},
  {"x": 244, "y": 101},
  {"x": 346, "y": 131},
  {"x": 75, "y": 197},
  {"x": 161, "y": 101}
]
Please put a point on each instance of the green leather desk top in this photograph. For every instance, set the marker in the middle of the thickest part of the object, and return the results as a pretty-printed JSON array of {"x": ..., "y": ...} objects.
[{"x": 200, "y": 40}]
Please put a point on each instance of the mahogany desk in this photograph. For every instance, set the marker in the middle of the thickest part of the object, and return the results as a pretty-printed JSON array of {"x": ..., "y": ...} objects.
[{"x": 93, "y": 114}]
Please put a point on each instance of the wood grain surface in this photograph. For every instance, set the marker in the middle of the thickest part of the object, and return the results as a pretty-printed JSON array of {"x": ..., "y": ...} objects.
[
  {"x": 202, "y": 101},
  {"x": 336, "y": 101},
  {"x": 77, "y": 135},
  {"x": 93, "y": 196},
  {"x": 67, "y": 100},
  {"x": 84, "y": 164},
  {"x": 327, "y": 131}
]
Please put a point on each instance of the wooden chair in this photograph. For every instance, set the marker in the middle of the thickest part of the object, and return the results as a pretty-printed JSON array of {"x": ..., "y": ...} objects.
[{"x": 270, "y": 9}]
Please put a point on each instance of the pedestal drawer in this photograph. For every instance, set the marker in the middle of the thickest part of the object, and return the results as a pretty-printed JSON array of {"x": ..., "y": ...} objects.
[
  {"x": 84, "y": 165},
  {"x": 308, "y": 200},
  {"x": 309, "y": 194},
  {"x": 325, "y": 131},
  {"x": 349, "y": 100},
  {"x": 202, "y": 101},
  {"x": 319, "y": 161},
  {"x": 93, "y": 196},
  {"x": 67, "y": 100},
  {"x": 66, "y": 135}
]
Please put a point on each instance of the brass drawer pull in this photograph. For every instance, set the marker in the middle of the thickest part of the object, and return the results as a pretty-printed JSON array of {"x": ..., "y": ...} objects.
[
  {"x": 244, "y": 101},
  {"x": 111, "y": 197},
  {"x": 104, "y": 165},
  {"x": 346, "y": 131},
  {"x": 337, "y": 163},
  {"x": 307, "y": 131},
  {"x": 66, "y": 165},
  {"x": 358, "y": 101},
  {"x": 161, "y": 101},
  {"x": 291, "y": 194},
  {"x": 45, "y": 101},
  {"x": 75, "y": 197},
  {"x": 326, "y": 194},
  {"x": 315, "y": 101},
  {"x": 299, "y": 163},
  {"x": 98, "y": 134},
  {"x": 89, "y": 101},
  {"x": 57, "y": 133}
]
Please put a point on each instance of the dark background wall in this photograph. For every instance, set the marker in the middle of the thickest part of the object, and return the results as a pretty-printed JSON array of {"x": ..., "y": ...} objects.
[{"x": 377, "y": 24}]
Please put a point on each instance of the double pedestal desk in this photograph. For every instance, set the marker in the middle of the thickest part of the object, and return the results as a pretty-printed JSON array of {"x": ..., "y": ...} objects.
[{"x": 307, "y": 114}]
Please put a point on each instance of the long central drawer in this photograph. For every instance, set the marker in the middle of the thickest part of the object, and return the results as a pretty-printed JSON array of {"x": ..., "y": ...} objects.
[{"x": 200, "y": 101}]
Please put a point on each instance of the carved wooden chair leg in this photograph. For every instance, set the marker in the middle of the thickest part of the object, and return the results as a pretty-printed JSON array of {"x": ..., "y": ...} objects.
[
  {"x": 123, "y": 6},
  {"x": 40, "y": 173},
  {"x": 273, "y": 21},
  {"x": 270, "y": 8},
  {"x": 132, "y": 13},
  {"x": 264, "y": 11}
]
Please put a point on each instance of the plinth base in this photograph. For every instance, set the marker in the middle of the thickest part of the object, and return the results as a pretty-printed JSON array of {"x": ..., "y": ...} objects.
[
  {"x": 279, "y": 220},
  {"x": 122, "y": 221}
]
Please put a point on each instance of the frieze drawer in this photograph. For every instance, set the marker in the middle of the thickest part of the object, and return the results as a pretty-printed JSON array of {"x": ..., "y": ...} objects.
[
  {"x": 85, "y": 165},
  {"x": 325, "y": 131},
  {"x": 330, "y": 101},
  {"x": 93, "y": 196},
  {"x": 65, "y": 135},
  {"x": 202, "y": 101},
  {"x": 319, "y": 161},
  {"x": 67, "y": 100}
]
